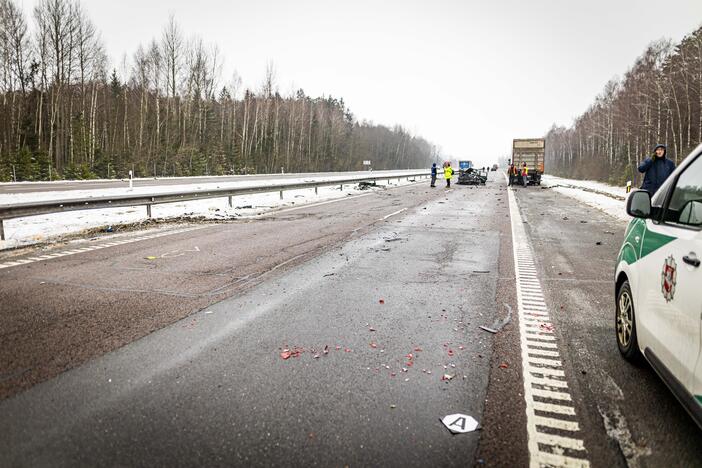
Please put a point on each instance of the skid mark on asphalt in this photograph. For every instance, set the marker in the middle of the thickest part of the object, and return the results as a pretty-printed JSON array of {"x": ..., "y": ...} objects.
[
  {"x": 91, "y": 248},
  {"x": 553, "y": 428}
]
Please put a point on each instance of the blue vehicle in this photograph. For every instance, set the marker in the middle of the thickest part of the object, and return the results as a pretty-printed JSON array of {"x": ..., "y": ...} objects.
[{"x": 465, "y": 165}]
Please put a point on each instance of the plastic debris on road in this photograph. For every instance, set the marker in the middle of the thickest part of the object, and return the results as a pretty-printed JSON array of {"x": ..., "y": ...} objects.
[
  {"x": 504, "y": 365},
  {"x": 150, "y": 257},
  {"x": 288, "y": 353},
  {"x": 447, "y": 377},
  {"x": 488, "y": 329},
  {"x": 459, "y": 423},
  {"x": 381, "y": 301}
]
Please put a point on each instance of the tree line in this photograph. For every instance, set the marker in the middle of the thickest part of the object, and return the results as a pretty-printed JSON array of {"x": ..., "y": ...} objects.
[
  {"x": 66, "y": 112},
  {"x": 658, "y": 100}
]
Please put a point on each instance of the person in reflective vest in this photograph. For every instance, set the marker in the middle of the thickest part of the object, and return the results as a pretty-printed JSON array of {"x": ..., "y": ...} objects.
[
  {"x": 525, "y": 174},
  {"x": 448, "y": 173}
]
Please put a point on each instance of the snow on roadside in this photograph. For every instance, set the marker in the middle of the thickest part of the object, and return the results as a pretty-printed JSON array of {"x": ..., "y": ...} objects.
[
  {"x": 33, "y": 229},
  {"x": 607, "y": 198}
]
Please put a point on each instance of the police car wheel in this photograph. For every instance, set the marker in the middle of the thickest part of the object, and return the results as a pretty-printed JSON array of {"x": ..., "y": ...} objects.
[{"x": 626, "y": 323}]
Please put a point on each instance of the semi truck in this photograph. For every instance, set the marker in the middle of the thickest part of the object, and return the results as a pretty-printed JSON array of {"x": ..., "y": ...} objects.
[{"x": 531, "y": 151}]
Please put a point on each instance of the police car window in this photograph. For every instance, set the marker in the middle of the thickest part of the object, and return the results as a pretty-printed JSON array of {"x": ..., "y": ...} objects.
[
  {"x": 658, "y": 198},
  {"x": 685, "y": 205}
]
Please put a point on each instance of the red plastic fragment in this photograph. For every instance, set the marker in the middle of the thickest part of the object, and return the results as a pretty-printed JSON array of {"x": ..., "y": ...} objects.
[
  {"x": 382, "y": 301},
  {"x": 504, "y": 365}
]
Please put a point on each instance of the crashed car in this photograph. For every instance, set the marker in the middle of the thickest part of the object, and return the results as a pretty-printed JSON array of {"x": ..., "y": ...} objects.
[
  {"x": 658, "y": 282},
  {"x": 471, "y": 177}
]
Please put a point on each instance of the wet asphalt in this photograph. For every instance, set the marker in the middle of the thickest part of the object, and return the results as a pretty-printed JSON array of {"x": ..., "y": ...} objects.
[
  {"x": 395, "y": 307},
  {"x": 627, "y": 415},
  {"x": 194, "y": 373}
]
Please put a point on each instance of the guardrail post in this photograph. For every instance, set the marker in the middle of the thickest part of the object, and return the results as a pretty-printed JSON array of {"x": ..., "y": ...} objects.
[
  {"x": 388, "y": 181},
  {"x": 230, "y": 202},
  {"x": 281, "y": 194},
  {"x": 2, "y": 231},
  {"x": 341, "y": 187},
  {"x": 148, "y": 210},
  {"x": 315, "y": 190}
]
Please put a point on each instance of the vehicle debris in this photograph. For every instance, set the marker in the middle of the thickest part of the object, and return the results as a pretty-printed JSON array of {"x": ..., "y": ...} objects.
[
  {"x": 547, "y": 326},
  {"x": 488, "y": 329}
]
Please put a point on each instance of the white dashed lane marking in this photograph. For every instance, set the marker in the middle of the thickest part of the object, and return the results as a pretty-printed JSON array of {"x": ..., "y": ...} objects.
[
  {"x": 65, "y": 253},
  {"x": 552, "y": 426}
]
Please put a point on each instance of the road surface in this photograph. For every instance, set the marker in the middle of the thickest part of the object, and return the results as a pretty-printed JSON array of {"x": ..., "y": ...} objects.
[{"x": 181, "y": 348}]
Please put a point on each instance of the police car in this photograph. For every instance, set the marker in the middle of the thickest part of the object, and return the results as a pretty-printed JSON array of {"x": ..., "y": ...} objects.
[{"x": 659, "y": 282}]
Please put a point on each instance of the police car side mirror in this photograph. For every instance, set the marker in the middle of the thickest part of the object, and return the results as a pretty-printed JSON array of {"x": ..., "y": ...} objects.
[{"x": 638, "y": 204}]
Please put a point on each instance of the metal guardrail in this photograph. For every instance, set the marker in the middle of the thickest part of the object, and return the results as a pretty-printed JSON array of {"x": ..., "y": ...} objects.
[{"x": 23, "y": 210}]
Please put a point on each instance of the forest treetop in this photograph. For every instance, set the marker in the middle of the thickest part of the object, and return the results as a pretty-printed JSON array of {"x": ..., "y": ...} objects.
[
  {"x": 67, "y": 113},
  {"x": 658, "y": 100}
]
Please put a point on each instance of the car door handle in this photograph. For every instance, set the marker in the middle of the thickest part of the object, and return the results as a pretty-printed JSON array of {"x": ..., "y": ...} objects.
[{"x": 692, "y": 260}]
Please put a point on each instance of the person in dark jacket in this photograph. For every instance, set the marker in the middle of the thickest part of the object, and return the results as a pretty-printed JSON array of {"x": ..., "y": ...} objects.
[
  {"x": 433, "y": 175},
  {"x": 656, "y": 169}
]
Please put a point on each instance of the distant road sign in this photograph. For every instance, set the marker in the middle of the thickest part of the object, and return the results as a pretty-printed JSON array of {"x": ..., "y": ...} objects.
[{"x": 366, "y": 163}]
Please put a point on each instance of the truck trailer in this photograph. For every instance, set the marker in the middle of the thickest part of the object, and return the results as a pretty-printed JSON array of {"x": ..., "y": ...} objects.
[{"x": 531, "y": 151}]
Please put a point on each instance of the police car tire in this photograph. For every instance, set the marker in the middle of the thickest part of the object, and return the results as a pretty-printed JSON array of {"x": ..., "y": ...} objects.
[{"x": 630, "y": 350}]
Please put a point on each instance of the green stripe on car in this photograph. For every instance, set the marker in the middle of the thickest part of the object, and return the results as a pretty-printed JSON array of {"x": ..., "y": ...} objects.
[{"x": 649, "y": 241}]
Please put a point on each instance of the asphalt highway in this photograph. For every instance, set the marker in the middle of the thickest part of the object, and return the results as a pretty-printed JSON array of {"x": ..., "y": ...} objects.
[
  {"x": 380, "y": 282},
  {"x": 335, "y": 334},
  {"x": 23, "y": 187},
  {"x": 627, "y": 416}
]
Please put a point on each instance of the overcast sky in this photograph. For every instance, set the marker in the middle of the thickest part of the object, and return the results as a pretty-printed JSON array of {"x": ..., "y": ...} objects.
[{"x": 467, "y": 75}]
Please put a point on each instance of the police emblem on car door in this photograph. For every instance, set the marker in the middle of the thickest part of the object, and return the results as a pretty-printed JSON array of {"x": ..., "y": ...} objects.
[{"x": 669, "y": 277}]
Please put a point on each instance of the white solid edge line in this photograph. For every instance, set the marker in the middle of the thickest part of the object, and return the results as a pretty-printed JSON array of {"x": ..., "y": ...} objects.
[{"x": 522, "y": 255}]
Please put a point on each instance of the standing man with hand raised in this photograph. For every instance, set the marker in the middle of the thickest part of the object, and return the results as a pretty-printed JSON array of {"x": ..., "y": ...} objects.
[{"x": 656, "y": 169}]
